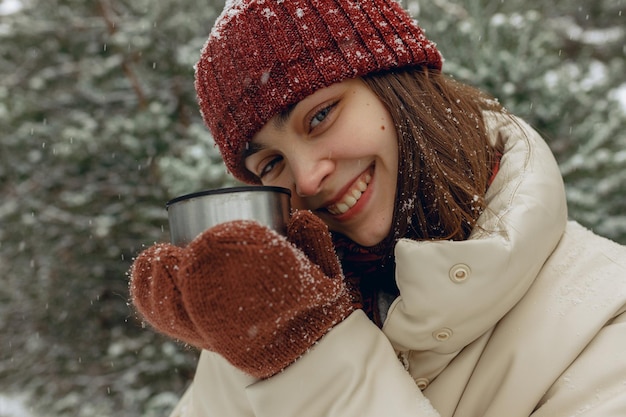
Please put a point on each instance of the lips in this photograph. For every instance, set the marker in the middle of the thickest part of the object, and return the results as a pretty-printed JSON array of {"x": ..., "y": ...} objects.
[{"x": 351, "y": 197}]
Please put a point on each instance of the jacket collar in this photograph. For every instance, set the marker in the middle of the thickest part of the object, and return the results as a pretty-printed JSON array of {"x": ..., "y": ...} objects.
[{"x": 466, "y": 287}]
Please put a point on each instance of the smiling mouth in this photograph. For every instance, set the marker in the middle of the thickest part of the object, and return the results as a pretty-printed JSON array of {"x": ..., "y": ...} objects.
[{"x": 352, "y": 196}]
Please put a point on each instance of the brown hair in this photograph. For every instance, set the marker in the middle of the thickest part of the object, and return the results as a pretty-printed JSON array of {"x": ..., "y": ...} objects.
[{"x": 445, "y": 156}]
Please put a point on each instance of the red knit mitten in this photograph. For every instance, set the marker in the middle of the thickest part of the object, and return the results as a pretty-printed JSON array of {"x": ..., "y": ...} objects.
[{"x": 244, "y": 291}]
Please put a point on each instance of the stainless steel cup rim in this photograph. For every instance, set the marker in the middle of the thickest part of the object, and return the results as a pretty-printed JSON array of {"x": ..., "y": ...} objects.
[
  {"x": 191, "y": 214},
  {"x": 248, "y": 188}
]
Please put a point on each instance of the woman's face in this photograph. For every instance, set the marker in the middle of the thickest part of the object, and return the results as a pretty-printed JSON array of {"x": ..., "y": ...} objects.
[{"x": 337, "y": 151}]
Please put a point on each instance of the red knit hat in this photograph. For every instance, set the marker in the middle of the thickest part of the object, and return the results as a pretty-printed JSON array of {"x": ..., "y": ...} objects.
[{"x": 264, "y": 55}]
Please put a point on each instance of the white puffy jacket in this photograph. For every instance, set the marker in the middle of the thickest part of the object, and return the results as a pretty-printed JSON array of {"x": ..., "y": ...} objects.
[{"x": 525, "y": 318}]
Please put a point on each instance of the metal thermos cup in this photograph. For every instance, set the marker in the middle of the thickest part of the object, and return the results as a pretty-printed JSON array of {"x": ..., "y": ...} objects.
[{"x": 191, "y": 214}]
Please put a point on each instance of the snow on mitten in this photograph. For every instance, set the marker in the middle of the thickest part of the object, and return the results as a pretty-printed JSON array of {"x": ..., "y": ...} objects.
[{"x": 245, "y": 292}]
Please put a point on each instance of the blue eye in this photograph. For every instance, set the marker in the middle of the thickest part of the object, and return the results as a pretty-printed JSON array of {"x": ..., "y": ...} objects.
[{"x": 320, "y": 116}]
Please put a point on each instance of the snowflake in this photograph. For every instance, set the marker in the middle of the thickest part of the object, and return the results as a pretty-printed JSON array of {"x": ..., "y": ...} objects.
[{"x": 268, "y": 13}]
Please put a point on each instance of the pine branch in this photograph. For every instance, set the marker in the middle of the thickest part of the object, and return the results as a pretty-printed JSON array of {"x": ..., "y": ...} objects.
[{"x": 107, "y": 14}]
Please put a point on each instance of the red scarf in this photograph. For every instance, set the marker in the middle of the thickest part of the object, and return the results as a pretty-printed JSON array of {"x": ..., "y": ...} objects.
[{"x": 367, "y": 275}]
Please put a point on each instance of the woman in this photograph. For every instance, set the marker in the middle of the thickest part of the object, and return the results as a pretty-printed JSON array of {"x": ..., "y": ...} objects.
[{"x": 460, "y": 288}]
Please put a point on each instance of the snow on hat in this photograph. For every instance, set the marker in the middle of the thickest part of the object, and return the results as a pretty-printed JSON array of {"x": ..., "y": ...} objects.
[{"x": 264, "y": 55}]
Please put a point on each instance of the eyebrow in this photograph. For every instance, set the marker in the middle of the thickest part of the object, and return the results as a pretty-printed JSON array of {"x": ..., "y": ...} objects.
[
  {"x": 283, "y": 116},
  {"x": 250, "y": 149},
  {"x": 279, "y": 121}
]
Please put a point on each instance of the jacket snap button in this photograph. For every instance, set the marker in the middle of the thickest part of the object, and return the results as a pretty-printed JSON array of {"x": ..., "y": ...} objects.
[
  {"x": 442, "y": 335},
  {"x": 422, "y": 383},
  {"x": 459, "y": 273}
]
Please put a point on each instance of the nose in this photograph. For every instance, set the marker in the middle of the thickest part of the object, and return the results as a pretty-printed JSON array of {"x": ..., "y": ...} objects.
[{"x": 309, "y": 173}]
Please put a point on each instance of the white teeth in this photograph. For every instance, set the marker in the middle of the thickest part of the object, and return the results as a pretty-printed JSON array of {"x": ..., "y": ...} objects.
[
  {"x": 339, "y": 208},
  {"x": 351, "y": 197}
]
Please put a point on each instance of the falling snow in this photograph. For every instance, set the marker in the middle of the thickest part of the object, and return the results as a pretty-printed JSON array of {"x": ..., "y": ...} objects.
[{"x": 99, "y": 130}]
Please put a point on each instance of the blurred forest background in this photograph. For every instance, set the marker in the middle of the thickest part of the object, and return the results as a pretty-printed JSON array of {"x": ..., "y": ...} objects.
[{"x": 99, "y": 127}]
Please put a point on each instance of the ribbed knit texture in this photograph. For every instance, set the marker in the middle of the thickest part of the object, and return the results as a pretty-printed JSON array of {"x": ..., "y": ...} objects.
[
  {"x": 265, "y": 55},
  {"x": 245, "y": 292}
]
